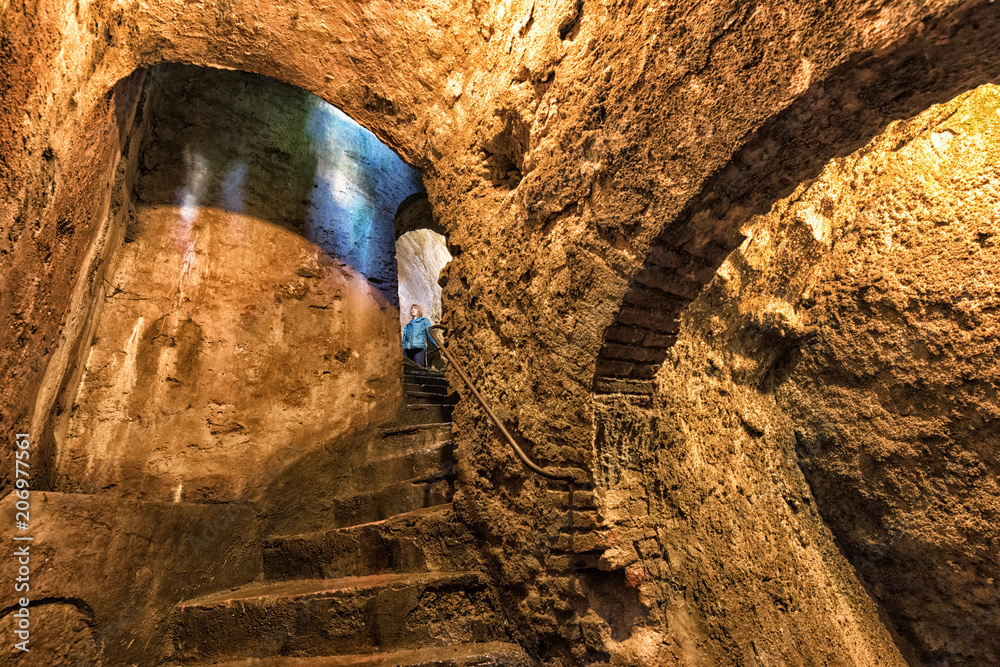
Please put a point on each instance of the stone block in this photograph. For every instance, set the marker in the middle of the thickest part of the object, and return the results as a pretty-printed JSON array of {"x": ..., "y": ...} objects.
[{"x": 119, "y": 566}]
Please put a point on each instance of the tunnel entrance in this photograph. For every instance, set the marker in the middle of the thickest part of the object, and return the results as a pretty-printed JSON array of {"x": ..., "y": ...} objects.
[{"x": 421, "y": 254}]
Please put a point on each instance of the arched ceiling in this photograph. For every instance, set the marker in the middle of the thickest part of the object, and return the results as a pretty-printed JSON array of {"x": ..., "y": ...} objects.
[
  {"x": 834, "y": 117},
  {"x": 415, "y": 212},
  {"x": 601, "y": 126}
]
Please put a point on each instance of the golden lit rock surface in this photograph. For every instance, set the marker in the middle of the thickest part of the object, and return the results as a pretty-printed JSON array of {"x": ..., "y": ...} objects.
[
  {"x": 106, "y": 571},
  {"x": 894, "y": 400},
  {"x": 852, "y": 331},
  {"x": 250, "y": 317}
]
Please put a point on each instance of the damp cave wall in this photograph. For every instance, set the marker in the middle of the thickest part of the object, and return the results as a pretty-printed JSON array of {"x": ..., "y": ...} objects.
[
  {"x": 250, "y": 319},
  {"x": 557, "y": 141}
]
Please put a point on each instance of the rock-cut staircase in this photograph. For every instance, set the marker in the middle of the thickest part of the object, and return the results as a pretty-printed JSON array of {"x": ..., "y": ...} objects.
[{"x": 391, "y": 581}]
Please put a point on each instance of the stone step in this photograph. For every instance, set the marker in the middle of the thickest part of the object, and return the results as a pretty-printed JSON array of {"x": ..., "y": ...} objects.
[
  {"x": 317, "y": 617},
  {"x": 426, "y": 414},
  {"x": 425, "y": 377},
  {"x": 390, "y": 500},
  {"x": 430, "y": 398},
  {"x": 400, "y": 440},
  {"x": 419, "y": 541},
  {"x": 428, "y": 383},
  {"x": 409, "y": 462},
  {"x": 490, "y": 654},
  {"x": 412, "y": 385},
  {"x": 386, "y": 468}
]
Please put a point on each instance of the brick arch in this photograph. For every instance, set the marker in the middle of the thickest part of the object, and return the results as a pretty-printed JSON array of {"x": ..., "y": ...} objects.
[{"x": 832, "y": 118}]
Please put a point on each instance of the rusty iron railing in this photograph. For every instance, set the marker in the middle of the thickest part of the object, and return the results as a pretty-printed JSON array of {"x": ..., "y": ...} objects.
[{"x": 531, "y": 465}]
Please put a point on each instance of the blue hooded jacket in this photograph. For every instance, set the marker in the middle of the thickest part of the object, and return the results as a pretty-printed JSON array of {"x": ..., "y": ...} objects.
[{"x": 416, "y": 334}]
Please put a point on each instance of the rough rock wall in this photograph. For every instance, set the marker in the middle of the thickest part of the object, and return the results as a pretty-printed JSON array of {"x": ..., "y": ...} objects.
[
  {"x": 105, "y": 573},
  {"x": 931, "y": 62},
  {"x": 846, "y": 339},
  {"x": 849, "y": 337},
  {"x": 896, "y": 399},
  {"x": 67, "y": 102},
  {"x": 64, "y": 216},
  {"x": 600, "y": 150},
  {"x": 251, "y": 318}
]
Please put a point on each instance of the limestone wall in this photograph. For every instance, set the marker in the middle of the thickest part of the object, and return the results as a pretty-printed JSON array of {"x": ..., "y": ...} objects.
[
  {"x": 252, "y": 316},
  {"x": 894, "y": 401},
  {"x": 106, "y": 572}
]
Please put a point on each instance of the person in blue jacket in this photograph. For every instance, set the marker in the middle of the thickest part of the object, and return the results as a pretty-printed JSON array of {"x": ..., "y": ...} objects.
[{"x": 417, "y": 336}]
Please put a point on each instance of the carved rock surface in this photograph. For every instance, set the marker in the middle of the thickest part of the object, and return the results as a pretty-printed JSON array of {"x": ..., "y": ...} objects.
[
  {"x": 251, "y": 316},
  {"x": 106, "y": 572},
  {"x": 896, "y": 399}
]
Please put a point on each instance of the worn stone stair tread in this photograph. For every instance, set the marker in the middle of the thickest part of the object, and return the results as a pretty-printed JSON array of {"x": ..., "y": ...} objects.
[
  {"x": 436, "y": 380},
  {"x": 425, "y": 379},
  {"x": 382, "y": 454},
  {"x": 443, "y": 508},
  {"x": 425, "y": 393},
  {"x": 410, "y": 367},
  {"x": 449, "y": 399},
  {"x": 411, "y": 384},
  {"x": 500, "y": 654},
  {"x": 422, "y": 374},
  {"x": 328, "y": 617},
  {"x": 396, "y": 518},
  {"x": 425, "y": 414},
  {"x": 428, "y": 539},
  {"x": 442, "y": 400},
  {"x": 405, "y": 441},
  {"x": 424, "y": 478},
  {"x": 444, "y": 449},
  {"x": 431, "y": 407},
  {"x": 432, "y": 385},
  {"x": 406, "y": 495},
  {"x": 414, "y": 369},
  {"x": 316, "y": 588},
  {"x": 425, "y": 434},
  {"x": 397, "y": 486},
  {"x": 410, "y": 428},
  {"x": 388, "y": 465}
]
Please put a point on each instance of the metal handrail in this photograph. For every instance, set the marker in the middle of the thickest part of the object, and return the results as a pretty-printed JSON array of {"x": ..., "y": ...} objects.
[{"x": 531, "y": 465}]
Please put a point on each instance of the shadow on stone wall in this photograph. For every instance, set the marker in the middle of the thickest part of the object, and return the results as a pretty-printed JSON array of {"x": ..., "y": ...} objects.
[{"x": 833, "y": 118}]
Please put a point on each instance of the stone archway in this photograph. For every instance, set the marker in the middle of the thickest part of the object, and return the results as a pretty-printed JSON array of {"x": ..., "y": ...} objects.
[
  {"x": 831, "y": 119},
  {"x": 575, "y": 92},
  {"x": 880, "y": 492},
  {"x": 257, "y": 270},
  {"x": 421, "y": 255},
  {"x": 416, "y": 213}
]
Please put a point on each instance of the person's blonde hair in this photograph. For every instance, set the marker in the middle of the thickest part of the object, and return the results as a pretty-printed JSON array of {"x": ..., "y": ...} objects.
[{"x": 420, "y": 311}]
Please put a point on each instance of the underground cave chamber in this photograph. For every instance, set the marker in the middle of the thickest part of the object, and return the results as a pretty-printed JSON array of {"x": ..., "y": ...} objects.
[{"x": 735, "y": 264}]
